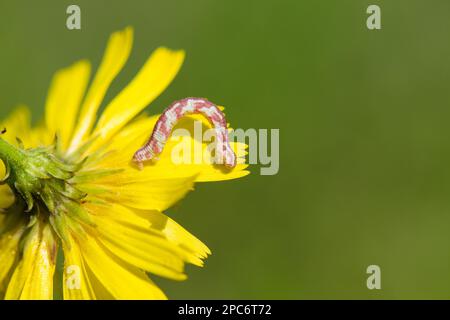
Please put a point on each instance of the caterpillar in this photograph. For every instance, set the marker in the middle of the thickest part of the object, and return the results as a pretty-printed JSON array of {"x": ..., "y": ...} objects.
[{"x": 169, "y": 118}]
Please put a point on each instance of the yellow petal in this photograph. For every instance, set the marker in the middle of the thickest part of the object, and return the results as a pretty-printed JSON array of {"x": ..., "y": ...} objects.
[
  {"x": 25, "y": 267},
  {"x": 120, "y": 279},
  {"x": 194, "y": 250},
  {"x": 142, "y": 247},
  {"x": 33, "y": 277},
  {"x": 149, "y": 193},
  {"x": 41, "y": 136},
  {"x": 76, "y": 283},
  {"x": 157, "y": 73},
  {"x": 176, "y": 233},
  {"x": 115, "y": 57},
  {"x": 64, "y": 98},
  {"x": 6, "y": 195},
  {"x": 156, "y": 224},
  {"x": 17, "y": 125},
  {"x": 8, "y": 254}
]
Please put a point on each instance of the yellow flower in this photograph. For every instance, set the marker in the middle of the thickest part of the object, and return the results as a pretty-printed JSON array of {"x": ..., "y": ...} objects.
[{"x": 80, "y": 192}]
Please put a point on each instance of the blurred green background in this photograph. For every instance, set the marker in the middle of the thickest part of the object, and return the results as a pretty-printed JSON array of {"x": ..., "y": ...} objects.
[{"x": 364, "y": 122}]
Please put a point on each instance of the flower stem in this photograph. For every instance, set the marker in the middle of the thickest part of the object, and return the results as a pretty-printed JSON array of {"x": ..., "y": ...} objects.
[
  {"x": 17, "y": 176},
  {"x": 10, "y": 155}
]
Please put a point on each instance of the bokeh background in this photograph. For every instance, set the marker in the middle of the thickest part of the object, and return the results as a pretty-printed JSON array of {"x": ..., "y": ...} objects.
[{"x": 364, "y": 120}]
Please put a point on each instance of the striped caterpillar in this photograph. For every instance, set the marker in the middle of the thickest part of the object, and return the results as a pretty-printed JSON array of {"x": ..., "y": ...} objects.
[{"x": 169, "y": 118}]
